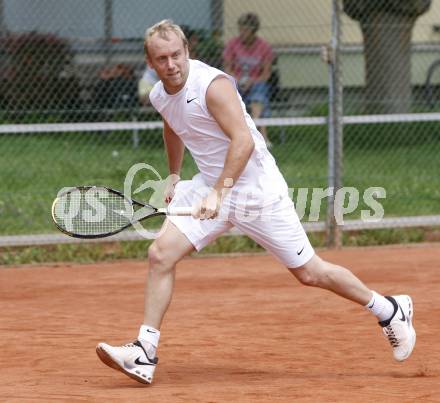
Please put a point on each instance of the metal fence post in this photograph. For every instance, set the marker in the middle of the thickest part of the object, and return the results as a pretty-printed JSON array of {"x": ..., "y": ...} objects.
[
  {"x": 108, "y": 30},
  {"x": 217, "y": 15},
  {"x": 3, "y": 28},
  {"x": 335, "y": 129}
]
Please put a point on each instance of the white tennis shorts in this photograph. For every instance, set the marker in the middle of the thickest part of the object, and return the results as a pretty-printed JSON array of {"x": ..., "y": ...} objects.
[{"x": 275, "y": 226}]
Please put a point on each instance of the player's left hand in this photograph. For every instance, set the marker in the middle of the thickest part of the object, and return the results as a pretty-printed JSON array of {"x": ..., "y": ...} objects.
[
  {"x": 170, "y": 184},
  {"x": 209, "y": 206}
]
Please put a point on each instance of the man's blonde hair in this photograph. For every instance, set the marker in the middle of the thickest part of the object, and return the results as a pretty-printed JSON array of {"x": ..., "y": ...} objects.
[{"x": 163, "y": 28}]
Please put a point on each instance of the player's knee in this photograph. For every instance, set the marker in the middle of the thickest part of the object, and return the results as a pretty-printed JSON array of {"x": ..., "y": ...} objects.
[
  {"x": 158, "y": 259},
  {"x": 310, "y": 274},
  {"x": 307, "y": 278}
]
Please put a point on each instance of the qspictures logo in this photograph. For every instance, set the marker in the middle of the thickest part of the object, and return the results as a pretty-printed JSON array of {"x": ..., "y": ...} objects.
[
  {"x": 154, "y": 185},
  {"x": 92, "y": 211},
  {"x": 346, "y": 200},
  {"x": 308, "y": 201}
]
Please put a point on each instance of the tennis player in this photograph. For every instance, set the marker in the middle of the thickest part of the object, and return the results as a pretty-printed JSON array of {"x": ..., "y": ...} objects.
[{"x": 203, "y": 111}]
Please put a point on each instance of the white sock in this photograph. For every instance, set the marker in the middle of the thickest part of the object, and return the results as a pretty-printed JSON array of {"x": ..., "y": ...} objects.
[
  {"x": 379, "y": 306},
  {"x": 149, "y": 338}
]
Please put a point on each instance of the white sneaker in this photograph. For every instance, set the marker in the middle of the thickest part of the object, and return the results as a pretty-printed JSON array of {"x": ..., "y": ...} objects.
[
  {"x": 131, "y": 359},
  {"x": 399, "y": 329}
]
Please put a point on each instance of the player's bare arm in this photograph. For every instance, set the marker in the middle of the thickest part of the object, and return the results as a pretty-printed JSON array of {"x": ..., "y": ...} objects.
[
  {"x": 175, "y": 150},
  {"x": 224, "y": 106}
]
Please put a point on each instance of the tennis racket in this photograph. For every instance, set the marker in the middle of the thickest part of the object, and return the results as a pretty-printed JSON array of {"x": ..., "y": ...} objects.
[{"x": 97, "y": 212}]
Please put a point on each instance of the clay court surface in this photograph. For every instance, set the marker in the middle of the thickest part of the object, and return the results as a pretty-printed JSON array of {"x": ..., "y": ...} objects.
[{"x": 239, "y": 329}]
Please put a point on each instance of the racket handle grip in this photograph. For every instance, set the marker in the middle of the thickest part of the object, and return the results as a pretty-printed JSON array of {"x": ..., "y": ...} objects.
[{"x": 183, "y": 211}]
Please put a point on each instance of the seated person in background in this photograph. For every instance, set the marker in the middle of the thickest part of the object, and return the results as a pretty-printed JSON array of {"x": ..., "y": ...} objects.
[
  {"x": 145, "y": 85},
  {"x": 249, "y": 59}
]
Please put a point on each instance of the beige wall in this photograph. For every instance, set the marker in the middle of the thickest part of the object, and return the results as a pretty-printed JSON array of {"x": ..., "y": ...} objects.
[{"x": 308, "y": 22}]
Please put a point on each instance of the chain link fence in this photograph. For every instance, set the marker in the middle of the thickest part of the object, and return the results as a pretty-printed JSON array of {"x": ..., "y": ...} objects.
[{"x": 74, "y": 106}]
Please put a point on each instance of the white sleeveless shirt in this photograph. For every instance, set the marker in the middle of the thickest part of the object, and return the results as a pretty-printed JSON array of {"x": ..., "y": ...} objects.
[{"x": 187, "y": 114}]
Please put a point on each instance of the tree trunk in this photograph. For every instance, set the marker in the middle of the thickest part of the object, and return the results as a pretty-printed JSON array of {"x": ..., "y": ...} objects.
[{"x": 387, "y": 41}]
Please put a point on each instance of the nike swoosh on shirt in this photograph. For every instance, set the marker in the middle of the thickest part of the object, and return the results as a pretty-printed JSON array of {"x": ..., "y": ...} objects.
[
  {"x": 301, "y": 251},
  {"x": 190, "y": 100}
]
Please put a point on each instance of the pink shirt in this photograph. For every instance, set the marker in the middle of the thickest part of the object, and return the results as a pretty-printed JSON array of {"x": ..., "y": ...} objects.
[{"x": 254, "y": 57}]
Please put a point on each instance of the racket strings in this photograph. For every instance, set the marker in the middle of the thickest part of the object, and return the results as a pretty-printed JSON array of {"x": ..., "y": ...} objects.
[{"x": 91, "y": 212}]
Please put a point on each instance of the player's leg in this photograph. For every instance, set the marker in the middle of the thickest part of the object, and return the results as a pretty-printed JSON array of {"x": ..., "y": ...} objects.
[
  {"x": 280, "y": 232},
  {"x": 138, "y": 359},
  {"x": 394, "y": 313},
  {"x": 319, "y": 273},
  {"x": 179, "y": 236},
  {"x": 163, "y": 254}
]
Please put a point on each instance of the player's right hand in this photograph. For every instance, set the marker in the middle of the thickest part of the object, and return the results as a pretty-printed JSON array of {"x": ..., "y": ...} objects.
[{"x": 208, "y": 208}]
